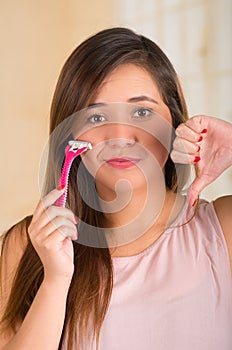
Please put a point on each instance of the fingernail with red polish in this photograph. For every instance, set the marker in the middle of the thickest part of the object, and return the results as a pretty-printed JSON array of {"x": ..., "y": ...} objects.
[
  {"x": 60, "y": 187},
  {"x": 200, "y": 139},
  {"x": 204, "y": 131},
  {"x": 196, "y": 159},
  {"x": 198, "y": 148},
  {"x": 194, "y": 203}
]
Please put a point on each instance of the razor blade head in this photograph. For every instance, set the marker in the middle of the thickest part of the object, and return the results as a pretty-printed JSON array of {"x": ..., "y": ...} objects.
[{"x": 75, "y": 145}]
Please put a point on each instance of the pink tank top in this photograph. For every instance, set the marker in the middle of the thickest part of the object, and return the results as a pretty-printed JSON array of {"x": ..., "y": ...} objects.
[{"x": 175, "y": 295}]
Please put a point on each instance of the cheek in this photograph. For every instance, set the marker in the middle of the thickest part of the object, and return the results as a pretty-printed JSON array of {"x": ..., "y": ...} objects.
[
  {"x": 88, "y": 136},
  {"x": 158, "y": 151},
  {"x": 89, "y": 160}
]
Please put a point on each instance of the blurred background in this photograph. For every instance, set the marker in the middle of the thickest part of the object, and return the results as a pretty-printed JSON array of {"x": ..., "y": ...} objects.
[{"x": 38, "y": 36}]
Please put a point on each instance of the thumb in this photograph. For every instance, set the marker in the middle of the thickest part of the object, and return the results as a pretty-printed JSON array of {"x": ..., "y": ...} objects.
[{"x": 197, "y": 186}]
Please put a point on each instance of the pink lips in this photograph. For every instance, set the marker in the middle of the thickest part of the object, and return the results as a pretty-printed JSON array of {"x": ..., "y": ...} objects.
[{"x": 122, "y": 163}]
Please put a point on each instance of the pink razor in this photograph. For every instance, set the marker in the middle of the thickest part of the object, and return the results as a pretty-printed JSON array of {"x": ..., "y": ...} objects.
[{"x": 74, "y": 149}]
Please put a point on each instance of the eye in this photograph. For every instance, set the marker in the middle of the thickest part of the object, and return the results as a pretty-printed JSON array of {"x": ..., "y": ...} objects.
[
  {"x": 142, "y": 113},
  {"x": 96, "y": 118}
]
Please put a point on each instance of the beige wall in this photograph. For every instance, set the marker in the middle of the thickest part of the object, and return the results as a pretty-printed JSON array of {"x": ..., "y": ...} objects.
[{"x": 36, "y": 38}]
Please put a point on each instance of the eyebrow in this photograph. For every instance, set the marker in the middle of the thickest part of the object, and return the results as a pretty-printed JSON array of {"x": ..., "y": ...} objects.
[
  {"x": 142, "y": 98},
  {"x": 132, "y": 99},
  {"x": 92, "y": 105}
]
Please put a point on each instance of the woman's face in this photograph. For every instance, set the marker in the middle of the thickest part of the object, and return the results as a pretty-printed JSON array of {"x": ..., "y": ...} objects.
[{"x": 128, "y": 126}]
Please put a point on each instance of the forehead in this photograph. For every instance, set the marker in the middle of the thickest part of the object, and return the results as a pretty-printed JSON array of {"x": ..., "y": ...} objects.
[{"x": 126, "y": 81}]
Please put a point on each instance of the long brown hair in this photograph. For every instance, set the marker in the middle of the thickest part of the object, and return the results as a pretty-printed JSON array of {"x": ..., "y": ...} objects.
[{"x": 78, "y": 84}]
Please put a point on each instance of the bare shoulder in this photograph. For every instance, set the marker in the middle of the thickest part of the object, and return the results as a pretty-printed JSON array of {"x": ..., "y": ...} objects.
[{"x": 223, "y": 208}]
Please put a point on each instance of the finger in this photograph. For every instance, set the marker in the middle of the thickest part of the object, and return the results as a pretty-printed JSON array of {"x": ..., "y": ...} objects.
[
  {"x": 63, "y": 228},
  {"x": 48, "y": 200},
  {"x": 197, "y": 186},
  {"x": 68, "y": 232},
  {"x": 185, "y": 132},
  {"x": 184, "y": 158},
  {"x": 184, "y": 146},
  {"x": 52, "y": 212},
  {"x": 198, "y": 123},
  {"x": 55, "y": 241}
]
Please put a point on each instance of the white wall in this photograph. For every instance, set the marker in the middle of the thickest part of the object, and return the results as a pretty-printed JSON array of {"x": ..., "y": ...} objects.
[{"x": 196, "y": 36}]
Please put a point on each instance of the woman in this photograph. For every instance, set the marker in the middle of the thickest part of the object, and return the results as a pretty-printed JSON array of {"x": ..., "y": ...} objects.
[{"x": 166, "y": 281}]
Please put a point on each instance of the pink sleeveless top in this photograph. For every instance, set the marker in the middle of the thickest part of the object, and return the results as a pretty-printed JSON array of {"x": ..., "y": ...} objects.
[{"x": 175, "y": 295}]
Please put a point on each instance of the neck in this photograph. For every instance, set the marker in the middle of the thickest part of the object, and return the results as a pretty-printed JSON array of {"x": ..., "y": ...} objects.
[
  {"x": 126, "y": 205},
  {"x": 141, "y": 221},
  {"x": 172, "y": 207}
]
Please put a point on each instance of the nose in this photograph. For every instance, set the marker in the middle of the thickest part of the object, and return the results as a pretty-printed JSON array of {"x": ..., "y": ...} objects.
[
  {"x": 121, "y": 136},
  {"x": 115, "y": 143}
]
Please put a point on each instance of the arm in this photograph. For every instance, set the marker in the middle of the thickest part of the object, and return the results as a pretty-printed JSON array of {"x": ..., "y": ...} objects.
[
  {"x": 50, "y": 233},
  {"x": 42, "y": 327},
  {"x": 209, "y": 139}
]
